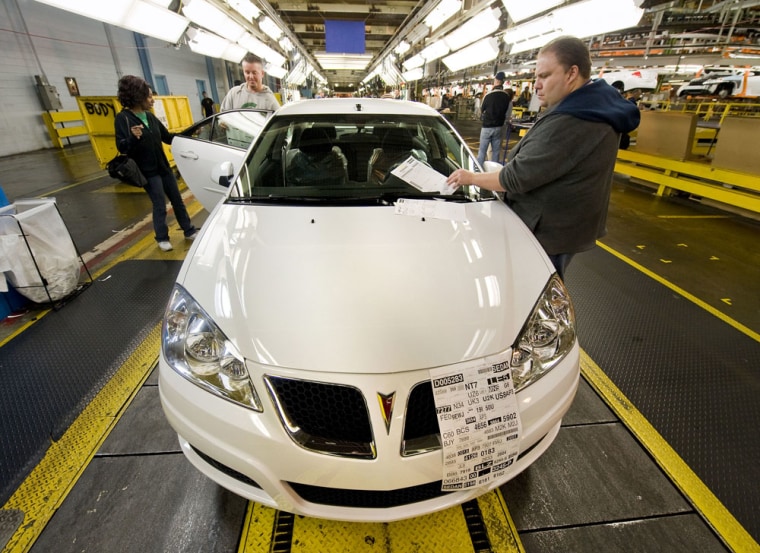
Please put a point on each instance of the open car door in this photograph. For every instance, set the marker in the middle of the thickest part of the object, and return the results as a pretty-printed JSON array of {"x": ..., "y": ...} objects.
[{"x": 200, "y": 150}]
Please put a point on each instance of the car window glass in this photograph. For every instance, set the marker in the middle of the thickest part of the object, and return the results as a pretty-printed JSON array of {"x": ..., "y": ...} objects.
[
  {"x": 202, "y": 131},
  {"x": 347, "y": 156},
  {"x": 237, "y": 128}
]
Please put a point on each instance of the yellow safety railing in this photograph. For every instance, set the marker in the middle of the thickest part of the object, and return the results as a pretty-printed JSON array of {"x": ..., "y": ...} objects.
[{"x": 52, "y": 121}]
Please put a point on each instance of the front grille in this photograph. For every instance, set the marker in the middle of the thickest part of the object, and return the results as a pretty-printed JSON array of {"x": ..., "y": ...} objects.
[
  {"x": 421, "y": 430},
  {"x": 328, "y": 418},
  {"x": 368, "y": 499},
  {"x": 225, "y": 469}
]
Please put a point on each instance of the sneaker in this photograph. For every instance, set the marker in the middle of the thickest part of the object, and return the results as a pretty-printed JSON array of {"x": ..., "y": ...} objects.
[
  {"x": 192, "y": 235},
  {"x": 165, "y": 245}
]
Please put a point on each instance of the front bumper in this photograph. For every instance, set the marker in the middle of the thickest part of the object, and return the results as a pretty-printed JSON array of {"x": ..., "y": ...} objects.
[{"x": 252, "y": 455}]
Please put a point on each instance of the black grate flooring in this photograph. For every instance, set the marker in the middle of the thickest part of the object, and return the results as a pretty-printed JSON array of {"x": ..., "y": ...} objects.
[
  {"x": 695, "y": 378},
  {"x": 51, "y": 371}
]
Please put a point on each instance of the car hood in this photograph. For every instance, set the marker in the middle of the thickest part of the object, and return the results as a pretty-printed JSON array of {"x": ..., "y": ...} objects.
[{"x": 363, "y": 289}]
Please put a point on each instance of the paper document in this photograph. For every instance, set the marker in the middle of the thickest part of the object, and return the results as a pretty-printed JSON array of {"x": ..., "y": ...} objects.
[
  {"x": 479, "y": 421},
  {"x": 434, "y": 209},
  {"x": 422, "y": 177}
]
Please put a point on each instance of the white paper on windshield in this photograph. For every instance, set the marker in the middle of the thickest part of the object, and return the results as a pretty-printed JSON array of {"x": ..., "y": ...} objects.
[
  {"x": 422, "y": 177},
  {"x": 431, "y": 209},
  {"x": 479, "y": 421}
]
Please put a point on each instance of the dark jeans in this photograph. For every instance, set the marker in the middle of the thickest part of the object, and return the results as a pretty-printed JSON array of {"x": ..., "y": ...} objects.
[
  {"x": 159, "y": 188},
  {"x": 560, "y": 262}
]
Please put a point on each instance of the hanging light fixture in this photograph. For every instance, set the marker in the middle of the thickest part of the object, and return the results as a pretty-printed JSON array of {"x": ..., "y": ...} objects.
[
  {"x": 143, "y": 17},
  {"x": 442, "y": 12},
  {"x": 520, "y": 10},
  {"x": 480, "y": 26},
  {"x": 480, "y": 52},
  {"x": 208, "y": 16},
  {"x": 245, "y": 8}
]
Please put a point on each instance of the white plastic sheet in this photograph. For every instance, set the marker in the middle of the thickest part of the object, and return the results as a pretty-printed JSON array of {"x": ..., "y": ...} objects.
[{"x": 49, "y": 245}]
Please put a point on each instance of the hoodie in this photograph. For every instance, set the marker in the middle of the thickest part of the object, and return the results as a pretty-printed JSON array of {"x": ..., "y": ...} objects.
[{"x": 558, "y": 177}]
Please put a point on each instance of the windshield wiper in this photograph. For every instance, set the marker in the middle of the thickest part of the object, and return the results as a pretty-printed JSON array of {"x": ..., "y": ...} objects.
[{"x": 272, "y": 199}]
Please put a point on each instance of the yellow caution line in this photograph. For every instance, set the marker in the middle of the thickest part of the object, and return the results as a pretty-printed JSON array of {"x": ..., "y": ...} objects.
[
  {"x": 707, "y": 307},
  {"x": 44, "y": 490},
  {"x": 704, "y": 501},
  {"x": 267, "y": 530}
]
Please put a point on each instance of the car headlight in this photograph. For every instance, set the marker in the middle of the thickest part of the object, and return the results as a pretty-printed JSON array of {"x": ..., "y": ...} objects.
[
  {"x": 195, "y": 347},
  {"x": 546, "y": 338}
]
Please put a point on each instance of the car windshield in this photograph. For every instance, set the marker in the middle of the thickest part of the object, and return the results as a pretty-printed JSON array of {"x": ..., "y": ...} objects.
[{"x": 342, "y": 159}]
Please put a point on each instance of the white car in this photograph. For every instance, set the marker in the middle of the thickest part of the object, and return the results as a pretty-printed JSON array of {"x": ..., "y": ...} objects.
[
  {"x": 743, "y": 84},
  {"x": 347, "y": 339},
  {"x": 631, "y": 79},
  {"x": 705, "y": 84}
]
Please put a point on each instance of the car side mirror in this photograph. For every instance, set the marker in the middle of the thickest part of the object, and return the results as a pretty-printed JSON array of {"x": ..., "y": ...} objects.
[
  {"x": 492, "y": 166},
  {"x": 223, "y": 174}
]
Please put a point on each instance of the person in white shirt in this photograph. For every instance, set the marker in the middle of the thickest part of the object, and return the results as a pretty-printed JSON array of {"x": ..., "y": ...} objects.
[{"x": 253, "y": 93}]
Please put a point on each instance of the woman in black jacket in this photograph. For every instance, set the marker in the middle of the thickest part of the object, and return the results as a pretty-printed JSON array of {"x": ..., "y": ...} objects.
[{"x": 139, "y": 134}]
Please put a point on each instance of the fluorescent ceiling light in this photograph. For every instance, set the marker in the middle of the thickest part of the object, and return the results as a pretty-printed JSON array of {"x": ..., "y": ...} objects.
[
  {"x": 343, "y": 61},
  {"x": 523, "y": 9},
  {"x": 253, "y": 44},
  {"x": 207, "y": 44},
  {"x": 442, "y": 12},
  {"x": 534, "y": 43},
  {"x": 475, "y": 28},
  {"x": 413, "y": 62},
  {"x": 418, "y": 33},
  {"x": 275, "y": 70},
  {"x": 482, "y": 51},
  {"x": 147, "y": 18},
  {"x": 152, "y": 20},
  {"x": 271, "y": 28},
  {"x": 162, "y": 3},
  {"x": 402, "y": 48},
  {"x": 413, "y": 74},
  {"x": 212, "y": 18},
  {"x": 285, "y": 44},
  {"x": 234, "y": 53},
  {"x": 435, "y": 50},
  {"x": 245, "y": 8},
  {"x": 529, "y": 30},
  {"x": 596, "y": 17},
  {"x": 112, "y": 12}
]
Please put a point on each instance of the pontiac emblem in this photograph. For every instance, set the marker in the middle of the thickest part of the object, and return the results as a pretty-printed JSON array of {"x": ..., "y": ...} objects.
[{"x": 386, "y": 408}]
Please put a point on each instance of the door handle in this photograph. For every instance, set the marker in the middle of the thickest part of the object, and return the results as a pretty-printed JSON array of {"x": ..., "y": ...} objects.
[{"x": 189, "y": 155}]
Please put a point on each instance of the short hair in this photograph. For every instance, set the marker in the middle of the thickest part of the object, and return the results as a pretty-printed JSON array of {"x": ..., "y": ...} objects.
[
  {"x": 253, "y": 58},
  {"x": 570, "y": 51},
  {"x": 133, "y": 91}
]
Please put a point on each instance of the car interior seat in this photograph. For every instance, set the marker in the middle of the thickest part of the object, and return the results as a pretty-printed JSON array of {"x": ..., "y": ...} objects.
[
  {"x": 358, "y": 148},
  {"x": 397, "y": 145},
  {"x": 317, "y": 162}
]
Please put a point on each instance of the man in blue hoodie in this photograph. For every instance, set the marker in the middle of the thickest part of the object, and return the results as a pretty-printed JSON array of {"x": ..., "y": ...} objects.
[{"x": 558, "y": 177}]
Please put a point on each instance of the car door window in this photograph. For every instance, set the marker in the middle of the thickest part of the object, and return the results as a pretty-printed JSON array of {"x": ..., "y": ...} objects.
[{"x": 237, "y": 128}]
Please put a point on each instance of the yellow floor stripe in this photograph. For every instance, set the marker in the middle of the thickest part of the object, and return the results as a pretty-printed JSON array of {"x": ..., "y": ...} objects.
[
  {"x": 442, "y": 531},
  {"x": 43, "y": 491},
  {"x": 707, "y": 307},
  {"x": 711, "y": 509}
]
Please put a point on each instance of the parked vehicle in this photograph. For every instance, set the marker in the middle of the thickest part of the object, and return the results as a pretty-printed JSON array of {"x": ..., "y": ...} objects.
[
  {"x": 347, "y": 338},
  {"x": 745, "y": 84},
  {"x": 642, "y": 79},
  {"x": 705, "y": 84}
]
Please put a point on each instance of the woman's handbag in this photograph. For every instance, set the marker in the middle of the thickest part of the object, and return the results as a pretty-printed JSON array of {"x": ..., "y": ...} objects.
[{"x": 125, "y": 169}]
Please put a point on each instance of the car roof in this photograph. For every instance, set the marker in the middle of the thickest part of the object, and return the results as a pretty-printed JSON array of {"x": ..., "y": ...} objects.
[{"x": 374, "y": 106}]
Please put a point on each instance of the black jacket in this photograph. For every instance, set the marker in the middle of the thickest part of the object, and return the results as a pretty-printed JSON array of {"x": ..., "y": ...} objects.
[
  {"x": 148, "y": 151},
  {"x": 495, "y": 107}
]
